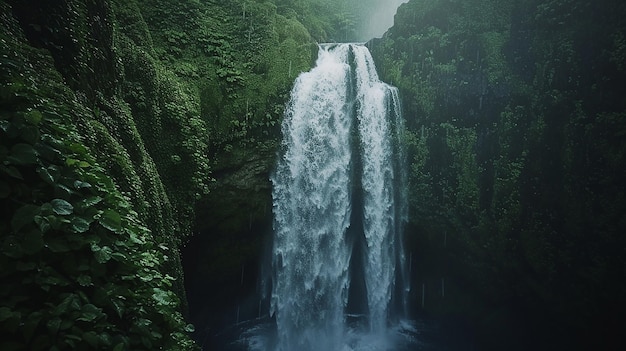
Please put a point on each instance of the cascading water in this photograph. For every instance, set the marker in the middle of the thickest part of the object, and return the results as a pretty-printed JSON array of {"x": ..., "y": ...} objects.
[
  {"x": 337, "y": 192},
  {"x": 383, "y": 208},
  {"x": 312, "y": 208}
]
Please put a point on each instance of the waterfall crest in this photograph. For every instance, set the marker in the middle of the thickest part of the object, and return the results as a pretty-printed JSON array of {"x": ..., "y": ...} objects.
[{"x": 338, "y": 184}]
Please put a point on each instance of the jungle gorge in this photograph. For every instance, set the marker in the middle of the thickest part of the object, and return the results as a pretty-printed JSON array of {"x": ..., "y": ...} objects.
[{"x": 138, "y": 140}]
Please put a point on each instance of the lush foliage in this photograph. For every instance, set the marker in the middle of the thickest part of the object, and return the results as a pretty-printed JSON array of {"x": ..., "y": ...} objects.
[
  {"x": 80, "y": 270},
  {"x": 517, "y": 119},
  {"x": 112, "y": 113}
]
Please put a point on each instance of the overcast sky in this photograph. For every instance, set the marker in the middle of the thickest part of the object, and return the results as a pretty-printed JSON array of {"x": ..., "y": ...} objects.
[{"x": 381, "y": 18}]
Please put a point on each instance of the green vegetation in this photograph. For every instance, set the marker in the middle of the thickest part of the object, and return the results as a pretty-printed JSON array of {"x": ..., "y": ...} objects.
[
  {"x": 517, "y": 118},
  {"x": 80, "y": 270},
  {"x": 126, "y": 126},
  {"x": 115, "y": 116}
]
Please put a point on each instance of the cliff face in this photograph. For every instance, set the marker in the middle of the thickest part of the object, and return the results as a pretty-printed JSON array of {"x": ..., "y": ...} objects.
[
  {"x": 89, "y": 239},
  {"x": 123, "y": 120},
  {"x": 516, "y": 121}
]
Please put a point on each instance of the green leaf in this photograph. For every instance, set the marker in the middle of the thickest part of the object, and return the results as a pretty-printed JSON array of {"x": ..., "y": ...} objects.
[
  {"x": 43, "y": 223},
  {"x": 70, "y": 303},
  {"x": 79, "y": 225},
  {"x": 50, "y": 175},
  {"x": 4, "y": 125},
  {"x": 71, "y": 161},
  {"x": 62, "y": 207},
  {"x": 23, "y": 154},
  {"x": 54, "y": 221},
  {"x": 46, "y": 209},
  {"x": 84, "y": 280},
  {"x": 146, "y": 278},
  {"x": 90, "y": 201},
  {"x": 45, "y": 175},
  {"x": 134, "y": 238},
  {"x": 34, "y": 117},
  {"x": 11, "y": 171},
  {"x": 48, "y": 152},
  {"x": 23, "y": 216},
  {"x": 77, "y": 163},
  {"x": 92, "y": 239},
  {"x": 81, "y": 185},
  {"x": 89, "y": 313},
  {"x": 119, "y": 307},
  {"x": 102, "y": 254},
  {"x": 111, "y": 220},
  {"x": 162, "y": 297},
  {"x": 63, "y": 191},
  {"x": 78, "y": 148}
]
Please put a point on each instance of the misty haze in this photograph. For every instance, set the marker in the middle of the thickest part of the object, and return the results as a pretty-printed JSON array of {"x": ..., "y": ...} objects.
[{"x": 380, "y": 19}]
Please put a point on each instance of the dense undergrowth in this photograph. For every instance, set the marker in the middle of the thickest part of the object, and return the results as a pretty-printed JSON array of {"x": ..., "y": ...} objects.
[
  {"x": 113, "y": 114},
  {"x": 516, "y": 118},
  {"x": 80, "y": 269}
]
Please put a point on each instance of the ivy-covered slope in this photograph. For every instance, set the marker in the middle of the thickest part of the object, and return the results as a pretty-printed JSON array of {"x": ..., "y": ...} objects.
[
  {"x": 517, "y": 120},
  {"x": 81, "y": 268},
  {"x": 115, "y": 117}
]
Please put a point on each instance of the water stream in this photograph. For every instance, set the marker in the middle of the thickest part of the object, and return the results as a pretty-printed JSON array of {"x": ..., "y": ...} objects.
[{"x": 338, "y": 280}]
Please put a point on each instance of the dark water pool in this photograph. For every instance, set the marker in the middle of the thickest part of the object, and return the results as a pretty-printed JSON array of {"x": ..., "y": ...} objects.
[{"x": 414, "y": 335}]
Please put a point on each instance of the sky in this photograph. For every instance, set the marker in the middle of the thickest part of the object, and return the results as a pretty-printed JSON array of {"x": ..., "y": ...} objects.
[{"x": 381, "y": 18}]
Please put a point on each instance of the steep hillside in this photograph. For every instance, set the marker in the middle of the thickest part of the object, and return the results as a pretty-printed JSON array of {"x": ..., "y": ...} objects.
[
  {"x": 89, "y": 239},
  {"x": 517, "y": 122},
  {"x": 124, "y": 129}
]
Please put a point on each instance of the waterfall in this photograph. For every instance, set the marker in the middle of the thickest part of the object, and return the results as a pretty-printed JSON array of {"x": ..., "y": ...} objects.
[{"x": 338, "y": 185}]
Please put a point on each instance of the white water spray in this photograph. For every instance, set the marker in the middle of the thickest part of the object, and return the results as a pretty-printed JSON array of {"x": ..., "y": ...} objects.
[{"x": 338, "y": 184}]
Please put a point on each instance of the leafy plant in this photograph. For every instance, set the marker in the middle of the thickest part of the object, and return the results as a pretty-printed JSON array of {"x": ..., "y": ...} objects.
[{"x": 79, "y": 268}]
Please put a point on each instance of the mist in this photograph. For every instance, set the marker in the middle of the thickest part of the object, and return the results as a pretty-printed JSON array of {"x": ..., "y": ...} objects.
[{"x": 379, "y": 18}]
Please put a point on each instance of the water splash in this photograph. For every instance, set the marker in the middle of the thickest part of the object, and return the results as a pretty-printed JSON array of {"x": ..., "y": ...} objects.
[{"x": 336, "y": 186}]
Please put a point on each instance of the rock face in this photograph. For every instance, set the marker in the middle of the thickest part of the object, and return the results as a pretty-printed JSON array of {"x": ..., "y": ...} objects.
[
  {"x": 241, "y": 191},
  {"x": 228, "y": 247},
  {"x": 517, "y": 200}
]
